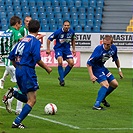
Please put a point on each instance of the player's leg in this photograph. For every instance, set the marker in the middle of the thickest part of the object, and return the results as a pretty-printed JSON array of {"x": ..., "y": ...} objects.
[
  {"x": 28, "y": 86},
  {"x": 9, "y": 104},
  {"x": 67, "y": 55},
  {"x": 102, "y": 80},
  {"x": 6, "y": 73},
  {"x": 59, "y": 57},
  {"x": 60, "y": 70},
  {"x": 1, "y": 83},
  {"x": 7, "y": 99},
  {"x": 20, "y": 96},
  {"x": 113, "y": 84},
  {"x": 18, "y": 107},
  {"x": 11, "y": 70},
  {"x": 101, "y": 94},
  {"x": 26, "y": 109},
  {"x": 10, "y": 90},
  {"x": 2, "y": 80},
  {"x": 9, "y": 96},
  {"x": 69, "y": 66}
]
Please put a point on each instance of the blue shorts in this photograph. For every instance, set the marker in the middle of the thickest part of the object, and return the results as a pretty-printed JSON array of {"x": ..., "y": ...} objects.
[
  {"x": 66, "y": 54},
  {"x": 26, "y": 79},
  {"x": 103, "y": 74}
]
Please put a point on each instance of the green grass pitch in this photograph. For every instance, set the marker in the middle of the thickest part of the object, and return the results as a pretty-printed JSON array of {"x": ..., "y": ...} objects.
[{"x": 74, "y": 102}]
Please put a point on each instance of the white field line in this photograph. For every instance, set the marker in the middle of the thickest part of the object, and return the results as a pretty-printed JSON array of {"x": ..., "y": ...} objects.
[{"x": 71, "y": 126}]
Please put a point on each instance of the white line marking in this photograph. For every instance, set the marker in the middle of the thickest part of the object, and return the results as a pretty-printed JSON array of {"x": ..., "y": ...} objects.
[
  {"x": 46, "y": 119},
  {"x": 71, "y": 126},
  {"x": 53, "y": 121},
  {"x": 109, "y": 128}
]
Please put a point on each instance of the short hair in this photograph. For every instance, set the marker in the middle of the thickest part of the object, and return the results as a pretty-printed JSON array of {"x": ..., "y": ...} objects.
[
  {"x": 66, "y": 21},
  {"x": 27, "y": 17},
  {"x": 14, "y": 20},
  {"x": 33, "y": 26},
  {"x": 108, "y": 37}
]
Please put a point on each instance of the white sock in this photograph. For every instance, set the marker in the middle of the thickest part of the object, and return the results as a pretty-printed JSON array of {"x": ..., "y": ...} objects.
[
  {"x": 19, "y": 106},
  {"x": 6, "y": 73}
]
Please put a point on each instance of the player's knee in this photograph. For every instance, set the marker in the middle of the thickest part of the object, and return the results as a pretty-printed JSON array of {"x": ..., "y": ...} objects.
[
  {"x": 116, "y": 85},
  {"x": 106, "y": 85},
  {"x": 31, "y": 102},
  {"x": 71, "y": 64},
  {"x": 60, "y": 63}
]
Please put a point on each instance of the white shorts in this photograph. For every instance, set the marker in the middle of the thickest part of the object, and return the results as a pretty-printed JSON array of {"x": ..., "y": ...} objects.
[{"x": 11, "y": 70}]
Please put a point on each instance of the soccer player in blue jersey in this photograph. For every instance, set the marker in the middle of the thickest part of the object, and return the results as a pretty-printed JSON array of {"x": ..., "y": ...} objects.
[
  {"x": 24, "y": 57},
  {"x": 98, "y": 72},
  {"x": 64, "y": 36}
]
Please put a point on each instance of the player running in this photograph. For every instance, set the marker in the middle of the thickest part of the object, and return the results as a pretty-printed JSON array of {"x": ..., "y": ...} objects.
[
  {"x": 24, "y": 57},
  {"x": 64, "y": 36}
]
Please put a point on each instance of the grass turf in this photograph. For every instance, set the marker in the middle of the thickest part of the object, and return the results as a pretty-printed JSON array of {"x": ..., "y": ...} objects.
[{"x": 74, "y": 102}]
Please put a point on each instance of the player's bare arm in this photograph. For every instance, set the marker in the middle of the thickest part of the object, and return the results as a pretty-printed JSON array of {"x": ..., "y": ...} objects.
[
  {"x": 93, "y": 78},
  {"x": 44, "y": 66},
  {"x": 48, "y": 47},
  {"x": 40, "y": 36},
  {"x": 117, "y": 62},
  {"x": 73, "y": 47}
]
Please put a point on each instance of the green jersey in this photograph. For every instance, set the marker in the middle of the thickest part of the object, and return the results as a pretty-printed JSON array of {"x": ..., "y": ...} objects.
[
  {"x": 8, "y": 40},
  {"x": 16, "y": 35},
  {"x": 24, "y": 31}
]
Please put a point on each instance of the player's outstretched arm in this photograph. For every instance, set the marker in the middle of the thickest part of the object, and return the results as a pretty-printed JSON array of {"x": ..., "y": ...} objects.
[
  {"x": 40, "y": 36},
  {"x": 44, "y": 66}
]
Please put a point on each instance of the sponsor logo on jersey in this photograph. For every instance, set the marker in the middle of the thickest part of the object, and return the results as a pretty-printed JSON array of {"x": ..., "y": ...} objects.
[{"x": 26, "y": 39}]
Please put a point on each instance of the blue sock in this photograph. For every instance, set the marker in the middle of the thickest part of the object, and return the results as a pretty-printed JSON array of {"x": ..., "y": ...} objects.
[
  {"x": 61, "y": 73},
  {"x": 20, "y": 97},
  {"x": 67, "y": 70},
  {"x": 109, "y": 90},
  {"x": 101, "y": 95},
  {"x": 25, "y": 111}
]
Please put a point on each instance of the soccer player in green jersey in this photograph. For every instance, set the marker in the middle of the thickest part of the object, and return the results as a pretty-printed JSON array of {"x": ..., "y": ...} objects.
[
  {"x": 15, "y": 24},
  {"x": 24, "y": 29}
]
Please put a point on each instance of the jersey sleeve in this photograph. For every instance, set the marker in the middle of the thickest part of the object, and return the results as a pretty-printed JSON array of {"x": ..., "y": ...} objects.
[
  {"x": 93, "y": 58},
  {"x": 115, "y": 56},
  {"x": 53, "y": 36}
]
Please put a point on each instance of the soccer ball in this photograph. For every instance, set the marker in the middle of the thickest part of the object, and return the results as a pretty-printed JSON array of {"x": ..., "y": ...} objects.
[{"x": 50, "y": 109}]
